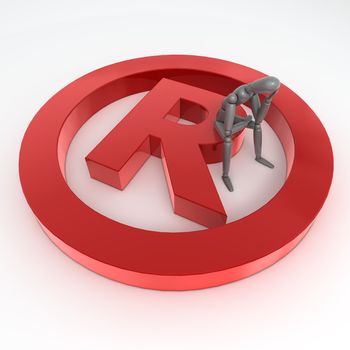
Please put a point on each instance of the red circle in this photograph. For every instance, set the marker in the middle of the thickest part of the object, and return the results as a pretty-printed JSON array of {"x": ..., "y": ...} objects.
[{"x": 181, "y": 260}]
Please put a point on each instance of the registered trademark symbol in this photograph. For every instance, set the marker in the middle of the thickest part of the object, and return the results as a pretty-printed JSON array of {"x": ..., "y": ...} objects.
[{"x": 183, "y": 86}]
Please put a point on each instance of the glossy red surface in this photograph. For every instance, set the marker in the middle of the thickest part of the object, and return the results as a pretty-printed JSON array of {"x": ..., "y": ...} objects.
[
  {"x": 151, "y": 128},
  {"x": 182, "y": 260}
]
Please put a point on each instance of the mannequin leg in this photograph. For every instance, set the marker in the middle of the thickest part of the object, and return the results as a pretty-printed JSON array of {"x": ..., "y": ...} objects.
[
  {"x": 258, "y": 146},
  {"x": 227, "y": 162}
]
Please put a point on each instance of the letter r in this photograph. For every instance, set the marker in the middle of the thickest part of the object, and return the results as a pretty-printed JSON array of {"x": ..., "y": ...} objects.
[{"x": 149, "y": 129}]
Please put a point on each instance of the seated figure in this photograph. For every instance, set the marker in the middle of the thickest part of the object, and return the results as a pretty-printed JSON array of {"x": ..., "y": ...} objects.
[{"x": 227, "y": 123}]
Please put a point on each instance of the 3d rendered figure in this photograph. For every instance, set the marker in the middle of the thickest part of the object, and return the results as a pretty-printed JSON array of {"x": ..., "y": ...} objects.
[{"x": 227, "y": 123}]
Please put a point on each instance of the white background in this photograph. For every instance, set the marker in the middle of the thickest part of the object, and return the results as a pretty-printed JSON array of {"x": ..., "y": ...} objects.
[{"x": 49, "y": 301}]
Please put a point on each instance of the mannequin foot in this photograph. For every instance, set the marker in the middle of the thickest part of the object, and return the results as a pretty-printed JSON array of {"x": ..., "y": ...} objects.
[
  {"x": 265, "y": 162},
  {"x": 227, "y": 182}
]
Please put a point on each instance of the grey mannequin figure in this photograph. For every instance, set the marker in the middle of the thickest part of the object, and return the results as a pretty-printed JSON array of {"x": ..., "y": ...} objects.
[{"x": 227, "y": 123}]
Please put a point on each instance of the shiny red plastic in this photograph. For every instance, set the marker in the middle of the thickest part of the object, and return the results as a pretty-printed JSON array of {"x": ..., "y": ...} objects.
[
  {"x": 184, "y": 149},
  {"x": 181, "y": 260}
]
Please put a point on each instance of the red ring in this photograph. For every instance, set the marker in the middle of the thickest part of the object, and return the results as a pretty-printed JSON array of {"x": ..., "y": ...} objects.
[{"x": 181, "y": 260}]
